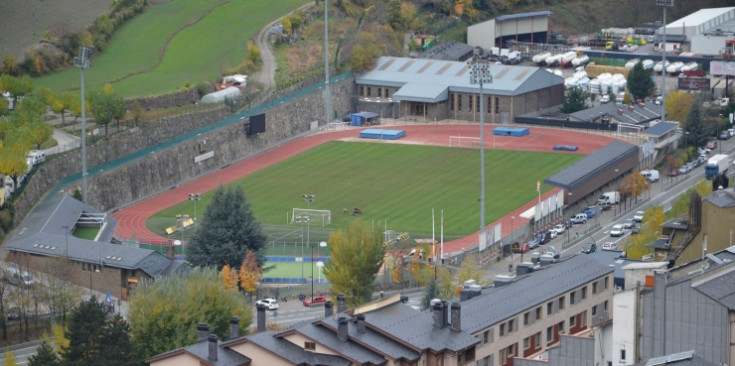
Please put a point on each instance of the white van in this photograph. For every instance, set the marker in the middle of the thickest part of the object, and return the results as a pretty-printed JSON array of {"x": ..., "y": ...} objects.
[
  {"x": 579, "y": 218},
  {"x": 609, "y": 198},
  {"x": 651, "y": 174},
  {"x": 35, "y": 157}
]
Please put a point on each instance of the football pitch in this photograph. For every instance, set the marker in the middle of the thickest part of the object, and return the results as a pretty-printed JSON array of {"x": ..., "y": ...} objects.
[{"x": 395, "y": 186}]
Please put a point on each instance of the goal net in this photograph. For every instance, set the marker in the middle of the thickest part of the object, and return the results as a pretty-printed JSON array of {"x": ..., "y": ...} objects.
[
  {"x": 462, "y": 141},
  {"x": 304, "y": 215},
  {"x": 627, "y": 129}
]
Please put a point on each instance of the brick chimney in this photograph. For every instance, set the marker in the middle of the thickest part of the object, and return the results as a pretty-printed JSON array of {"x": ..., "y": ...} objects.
[
  {"x": 328, "y": 309},
  {"x": 341, "y": 303},
  {"x": 361, "y": 323},
  {"x": 202, "y": 332},
  {"x": 342, "y": 328},
  {"x": 456, "y": 317},
  {"x": 212, "y": 348},
  {"x": 261, "y": 318},
  {"x": 234, "y": 327}
]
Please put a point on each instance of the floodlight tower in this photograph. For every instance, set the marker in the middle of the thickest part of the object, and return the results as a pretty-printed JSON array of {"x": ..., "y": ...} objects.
[
  {"x": 480, "y": 74},
  {"x": 82, "y": 62}
]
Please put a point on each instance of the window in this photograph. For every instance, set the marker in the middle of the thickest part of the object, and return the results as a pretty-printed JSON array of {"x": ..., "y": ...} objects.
[
  {"x": 487, "y": 361},
  {"x": 538, "y": 313},
  {"x": 526, "y": 316},
  {"x": 459, "y": 102},
  {"x": 594, "y": 310},
  {"x": 472, "y": 101},
  {"x": 526, "y": 343},
  {"x": 561, "y": 327},
  {"x": 466, "y": 356},
  {"x": 571, "y": 298},
  {"x": 606, "y": 280},
  {"x": 549, "y": 308},
  {"x": 604, "y": 306},
  {"x": 594, "y": 288},
  {"x": 537, "y": 340},
  {"x": 380, "y": 92},
  {"x": 362, "y": 90},
  {"x": 487, "y": 336},
  {"x": 622, "y": 355},
  {"x": 451, "y": 102},
  {"x": 310, "y": 346},
  {"x": 561, "y": 303},
  {"x": 572, "y": 321},
  {"x": 584, "y": 292},
  {"x": 478, "y": 104},
  {"x": 511, "y": 324},
  {"x": 497, "y": 105},
  {"x": 368, "y": 91},
  {"x": 502, "y": 330},
  {"x": 549, "y": 334}
]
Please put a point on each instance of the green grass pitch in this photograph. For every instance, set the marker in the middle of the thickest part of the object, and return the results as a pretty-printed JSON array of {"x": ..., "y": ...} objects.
[{"x": 394, "y": 184}]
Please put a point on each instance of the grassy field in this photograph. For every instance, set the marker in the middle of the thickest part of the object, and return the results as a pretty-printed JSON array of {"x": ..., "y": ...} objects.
[
  {"x": 173, "y": 44},
  {"x": 397, "y": 184},
  {"x": 293, "y": 270},
  {"x": 88, "y": 233}
]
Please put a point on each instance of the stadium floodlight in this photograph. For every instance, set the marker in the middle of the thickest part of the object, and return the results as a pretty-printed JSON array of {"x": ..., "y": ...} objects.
[
  {"x": 82, "y": 62},
  {"x": 480, "y": 74}
]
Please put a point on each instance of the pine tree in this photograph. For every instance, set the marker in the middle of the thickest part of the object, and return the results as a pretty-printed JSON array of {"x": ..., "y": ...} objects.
[
  {"x": 117, "y": 347},
  {"x": 84, "y": 333},
  {"x": 45, "y": 356},
  {"x": 227, "y": 231},
  {"x": 640, "y": 83},
  {"x": 575, "y": 101}
]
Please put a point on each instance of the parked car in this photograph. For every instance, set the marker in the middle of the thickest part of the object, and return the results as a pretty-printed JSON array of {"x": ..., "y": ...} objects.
[
  {"x": 635, "y": 229},
  {"x": 638, "y": 216},
  {"x": 605, "y": 99},
  {"x": 579, "y": 218},
  {"x": 609, "y": 246},
  {"x": 629, "y": 223},
  {"x": 533, "y": 244},
  {"x": 731, "y": 132},
  {"x": 543, "y": 237},
  {"x": 315, "y": 300},
  {"x": 269, "y": 302},
  {"x": 724, "y": 135},
  {"x": 617, "y": 230},
  {"x": 552, "y": 233},
  {"x": 672, "y": 173},
  {"x": 590, "y": 212},
  {"x": 559, "y": 228},
  {"x": 589, "y": 248},
  {"x": 711, "y": 145},
  {"x": 521, "y": 247}
]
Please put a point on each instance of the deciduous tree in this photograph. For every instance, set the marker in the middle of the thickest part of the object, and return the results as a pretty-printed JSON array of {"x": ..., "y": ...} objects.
[
  {"x": 430, "y": 292},
  {"x": 250, "y": 272},
  {"x": 164, "y": 314},
  {"x": 229, "y": 277},
  {"x": 9, "y": 359},
  {"x": 227, "y": 231},
  {"x": 636, "y": 245},
  {"x": 470, "y": 270},
  {"x": 356, "y": 257},
  {"x": 677, "y": 106}
]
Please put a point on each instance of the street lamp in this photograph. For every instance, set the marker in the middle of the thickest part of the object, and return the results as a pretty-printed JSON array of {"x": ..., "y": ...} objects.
[
  {"x": 664, "y": 4},
  {"x": 181, "y": 223},
  {"x": 195, "y": 197},
  {"x": 322, "y": 244},
  {"x": 480, "y": 74},
  {"x": 308, "y": 198}
]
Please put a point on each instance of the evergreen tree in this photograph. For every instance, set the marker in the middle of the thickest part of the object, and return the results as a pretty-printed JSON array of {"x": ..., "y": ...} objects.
[
  {"x": 696, "y": 133},
  {"x": 640, "y": 83},
  {"x": 84, "y": 333},
  {"x": 226, "y": 232},
  {"x": 45, "y": 356},
  {"x": 431, "y": 292},
  {"x": 575, "y": 101},
  {"x": 117, "y": 347}
]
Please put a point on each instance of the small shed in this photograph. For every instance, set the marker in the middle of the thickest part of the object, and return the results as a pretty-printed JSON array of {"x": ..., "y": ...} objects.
[{"x": 364, "y": 118}]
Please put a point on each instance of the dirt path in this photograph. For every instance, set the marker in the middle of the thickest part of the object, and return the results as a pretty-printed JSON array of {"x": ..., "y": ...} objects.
[{"x": 265, "y": 76}]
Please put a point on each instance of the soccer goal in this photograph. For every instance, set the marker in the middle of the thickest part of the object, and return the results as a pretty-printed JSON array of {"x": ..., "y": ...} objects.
[
  {"x": 462, "y": 141},
  {"x": 304, "y": 215},
  {"x": 627, "y": 129}
]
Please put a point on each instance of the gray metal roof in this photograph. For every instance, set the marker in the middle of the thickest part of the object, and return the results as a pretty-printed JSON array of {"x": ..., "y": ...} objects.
[
  {"x": 660, "y": 243},
  {"x": 377, "y": 341},
  {"x": 720, "y": 289},
  {"x": 722, "y": 198},
  {"x": 688, "y": 358},
  {"x": 637, "y": 115},
  {"x": 523, "y": 15},
  {"x": 293, "y": 353},
  {"x": 531, "y": 291},
  {"x": 450, "y": 51},
  {"x": 416, "y": 328},
  {"x": 427, "y": 77},
  {"x": 592, "y": 165},
  {"x": 328, "y": 338},
  {"x": 661, "y": 128},
  {"x": 700, "y": 17},
  {"x": 200, "y": 350},
  {"x": 46, "y": 231}
]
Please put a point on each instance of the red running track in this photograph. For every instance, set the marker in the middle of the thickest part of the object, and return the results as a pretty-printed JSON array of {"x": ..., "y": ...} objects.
[{"x": 132, "y": 219}]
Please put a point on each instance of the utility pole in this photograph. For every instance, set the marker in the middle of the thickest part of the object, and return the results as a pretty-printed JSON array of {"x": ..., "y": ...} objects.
[{"x": 82, "y": 62}]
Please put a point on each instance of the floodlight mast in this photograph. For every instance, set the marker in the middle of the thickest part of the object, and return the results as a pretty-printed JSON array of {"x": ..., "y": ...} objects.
[
  {"x": 82, "y": 62},
  {"x": 480, "y": 74}
]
